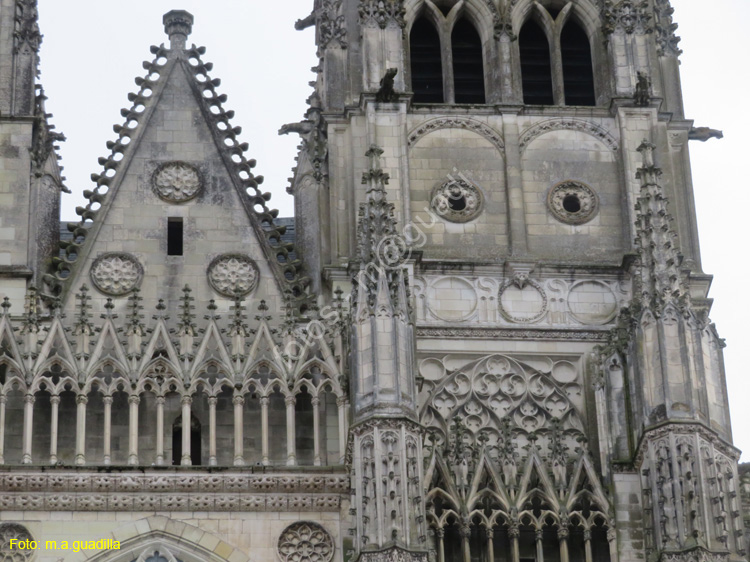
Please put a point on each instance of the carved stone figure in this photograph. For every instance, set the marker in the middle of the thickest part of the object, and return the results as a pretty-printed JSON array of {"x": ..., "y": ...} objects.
[
  {"x": 704, "y": 133},
  {"x": 642, "y": 97},
  {"x": 386, "y": 93}
]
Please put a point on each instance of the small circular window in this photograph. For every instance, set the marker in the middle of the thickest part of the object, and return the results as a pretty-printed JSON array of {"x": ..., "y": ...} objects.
[
  {"x": 457, "y": 200},
  {"x": 573, "y": 202}
]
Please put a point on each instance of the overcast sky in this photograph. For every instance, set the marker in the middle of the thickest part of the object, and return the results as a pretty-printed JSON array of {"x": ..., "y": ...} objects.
[{"x": 93, "y": 49}]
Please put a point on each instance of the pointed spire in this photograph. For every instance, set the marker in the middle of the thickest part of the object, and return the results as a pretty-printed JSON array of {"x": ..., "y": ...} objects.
[
  {"x": 186, "y": 326},
  {"x": 238, "y": 327},
  {"x": 83, "y": 315},
  {"x": 178, "y": 25},
  {"x": 212, "y": 308},
  {"x": 135, "y": 325},
  {"x": 5, "y": 306},
  {"x": 30, "y": 323},
  {"x": 661, "y": 281}
]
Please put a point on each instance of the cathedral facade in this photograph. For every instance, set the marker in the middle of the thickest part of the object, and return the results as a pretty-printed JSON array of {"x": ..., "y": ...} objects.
[{"x": 484, "y": 337}]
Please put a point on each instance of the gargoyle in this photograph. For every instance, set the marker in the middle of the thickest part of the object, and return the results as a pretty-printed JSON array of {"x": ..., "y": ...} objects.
[
  {"x": 302, "y": 128},
  {"x": 304, "y": 23},
  {"x": 704, "y": 133},
  {"x": 386, "y": 93}
]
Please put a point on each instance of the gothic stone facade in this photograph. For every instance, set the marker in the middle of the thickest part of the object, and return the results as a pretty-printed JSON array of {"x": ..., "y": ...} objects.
[{"x": 488, "y": 340}]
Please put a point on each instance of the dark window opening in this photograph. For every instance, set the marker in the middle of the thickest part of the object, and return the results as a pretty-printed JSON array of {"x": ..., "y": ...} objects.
[
  {"x": 468, "y": 68},
  {"x": 554, "y": 12},
  {"x": 457, "y": 203},
  {"x": 195, "y": 441},
  {"x": 578, "y": 71},
  {"x": 536, "y": 66},
  {"x": 426, "y": 63},
  {"x": 572, "y": 203},
  {"x": 174, "y": 237}
]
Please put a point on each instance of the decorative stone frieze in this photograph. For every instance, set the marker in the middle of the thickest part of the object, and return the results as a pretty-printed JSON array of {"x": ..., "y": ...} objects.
[
  {"x": 457, "y": 200},
  {"x": 382, "y": 13},
  {"x": 565, "y": 124},
  {"x": 177, "y": 182},
  {"x": 627, "y": 16},
  {"x": 572, "y": 202},
  {"x": 116, "y": 273},
  {"x": 305, "y": 541},
  {"x": 233, "y": 274},
  {"x": 507, "y": 334},
  {"x": 457, "y": 122},
  {"x": 13, "y": 531}
]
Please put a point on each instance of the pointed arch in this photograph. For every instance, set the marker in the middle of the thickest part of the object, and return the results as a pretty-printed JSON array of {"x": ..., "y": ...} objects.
[
  {"x": 577, "y": 63},
  {"x": 536, "y": 64},
  {"x": 426, "y": 62},
  {"x": 468, "y": 63}
]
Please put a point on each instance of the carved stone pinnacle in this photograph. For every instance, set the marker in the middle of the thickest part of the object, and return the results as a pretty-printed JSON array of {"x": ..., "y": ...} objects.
[{"x": 178, "y": 24}]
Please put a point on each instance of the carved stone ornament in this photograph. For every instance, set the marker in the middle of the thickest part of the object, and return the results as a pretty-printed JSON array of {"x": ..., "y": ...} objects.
[
  {"x": 177, "y": 182},
  {"x": 8, "y": 532},
  {"x": 305, "y": 541},
  {"x": 573, "y": 202},
  {"x": 233, "y": 274},
  {"x": 382, "y": 13},
  {"x": 116, "y": 274},
  {"x": 457, "y": 200}
]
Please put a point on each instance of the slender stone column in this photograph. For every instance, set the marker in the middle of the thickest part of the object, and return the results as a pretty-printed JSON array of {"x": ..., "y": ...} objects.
[
  {"x": 160, "y": 400},
  {"x": 587, "y": 545},
  {"x": 212, "y": 400},
  {"x": 107, "y": 430},
  {"x": 490, "y": 545},
  {"x": 316, "y": 431},
  {"x": 539, "y": 545},
  {"x": 81, "y": 401},
  {"x": 3, "y": 401},
  {"x": 239, "y": 454},
  {"x": 186, "y": 459},
  {"x": 562, "y": 534},
  {"x": 291, "y": 450},
  {"x": 440, "y": 533},
  {"x": 28, "y": 421},
  {"x": 465, "y": 532},
  {"x": 54, "y": 415},
  {"x": 513, "y": 533},
  {"x": 264, "y": 400},
  {"x": 133, "y": 430},
  {"x": 343, "y": 429}
]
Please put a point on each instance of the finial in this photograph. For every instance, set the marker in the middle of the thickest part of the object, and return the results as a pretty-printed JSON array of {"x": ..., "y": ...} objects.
[{"x": 178, "y": 24}]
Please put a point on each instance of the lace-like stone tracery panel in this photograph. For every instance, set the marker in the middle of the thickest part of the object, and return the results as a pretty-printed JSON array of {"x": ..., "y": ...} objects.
[
  {"x": 457, "y": 200},
  {"x": 573, "y": 202},
  {"x": 116, "y": 274},
  {"x": 177, "y": 182},
  {"x": 233, "y": 274},
  {"x": 9, "y": 531},
  {"x": 305, "y": 542}
]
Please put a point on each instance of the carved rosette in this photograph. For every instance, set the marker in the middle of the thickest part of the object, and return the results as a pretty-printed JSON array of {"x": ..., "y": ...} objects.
[
  {"x": 305, "y": 541},
  {"x": 573, "y": 202},
  {"x": 8, "y": 532},
  {"x": 177, "y": 182},
  {"x": 457, "y": 200},
  {"x": 116, "y": 274},
  {"x": 233, "y": 275}
]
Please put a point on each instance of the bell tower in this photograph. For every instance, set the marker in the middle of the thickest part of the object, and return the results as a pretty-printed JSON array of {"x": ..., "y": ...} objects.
[
  {"x": 30, "y": 180},
  {"x": 540, "y": 187}
]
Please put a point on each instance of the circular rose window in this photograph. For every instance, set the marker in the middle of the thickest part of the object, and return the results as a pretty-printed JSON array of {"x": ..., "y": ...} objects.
[
  {"x": 116, "y": 274},
  {"x": 233, "y": 275},
  {"x": 573, "y": 202},
  {"x": 177, "y": 182},
  {"x": 305, "y": 541},
  {"x": 457, "y": 200}
]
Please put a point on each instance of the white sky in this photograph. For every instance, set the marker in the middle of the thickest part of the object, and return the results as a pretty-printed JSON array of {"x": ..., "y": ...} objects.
[{"x": 93, "y": 49}]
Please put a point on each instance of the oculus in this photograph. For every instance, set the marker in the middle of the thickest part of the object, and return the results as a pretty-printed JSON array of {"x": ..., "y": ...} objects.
[
  {"x": 177, "y": 182},
  {"x": 573, "y": 202},
  {"x": 305, "y": 541},
  {"x": 116, "y": 274},
  {"x": 233, "y": 275},
  {"x": 457, "y": 200}
]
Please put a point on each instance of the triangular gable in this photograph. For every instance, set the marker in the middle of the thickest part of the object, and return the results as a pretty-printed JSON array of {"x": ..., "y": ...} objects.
[
  {"x": 264, "y": 349},
  {"x": 486, "y": 471},
  {"x": 535, "y": 467},
  {"x": 9, "y": 350},
  {"x": 586, "y": 482},
  {"x": 205, "y": 351},
  {"x": 160, "y": 341},
  {"x": 56, "y": 344},
  {"x": 196, "y": 89},
  {"x": 106, "y": 340}
]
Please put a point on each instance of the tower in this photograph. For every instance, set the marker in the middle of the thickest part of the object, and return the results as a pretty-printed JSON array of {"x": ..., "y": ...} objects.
[{"x": 484, "y": 337}]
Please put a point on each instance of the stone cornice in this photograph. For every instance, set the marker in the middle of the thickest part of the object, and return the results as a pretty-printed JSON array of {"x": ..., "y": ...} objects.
[{"x": 510, "y": 334}]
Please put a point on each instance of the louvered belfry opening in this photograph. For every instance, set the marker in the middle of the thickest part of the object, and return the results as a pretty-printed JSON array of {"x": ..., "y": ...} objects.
[
  {"x": 536, "y": 65},
  {"x": 426, "y": 63},
  {"x": 468, "y": 66},
  {"x": 578, "y": 71}
]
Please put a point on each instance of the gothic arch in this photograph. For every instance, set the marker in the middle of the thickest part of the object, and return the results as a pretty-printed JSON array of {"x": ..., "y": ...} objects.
[
  {"x": 456, "y": 122},
  {"x": 544, "y": 127},
  {"x": 182, "y": 541},
  {"x": 587, "y": 12}
]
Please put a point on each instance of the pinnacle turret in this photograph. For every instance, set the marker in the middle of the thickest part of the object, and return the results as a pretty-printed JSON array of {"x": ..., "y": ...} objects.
[{"x": 178, "y": 24}]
